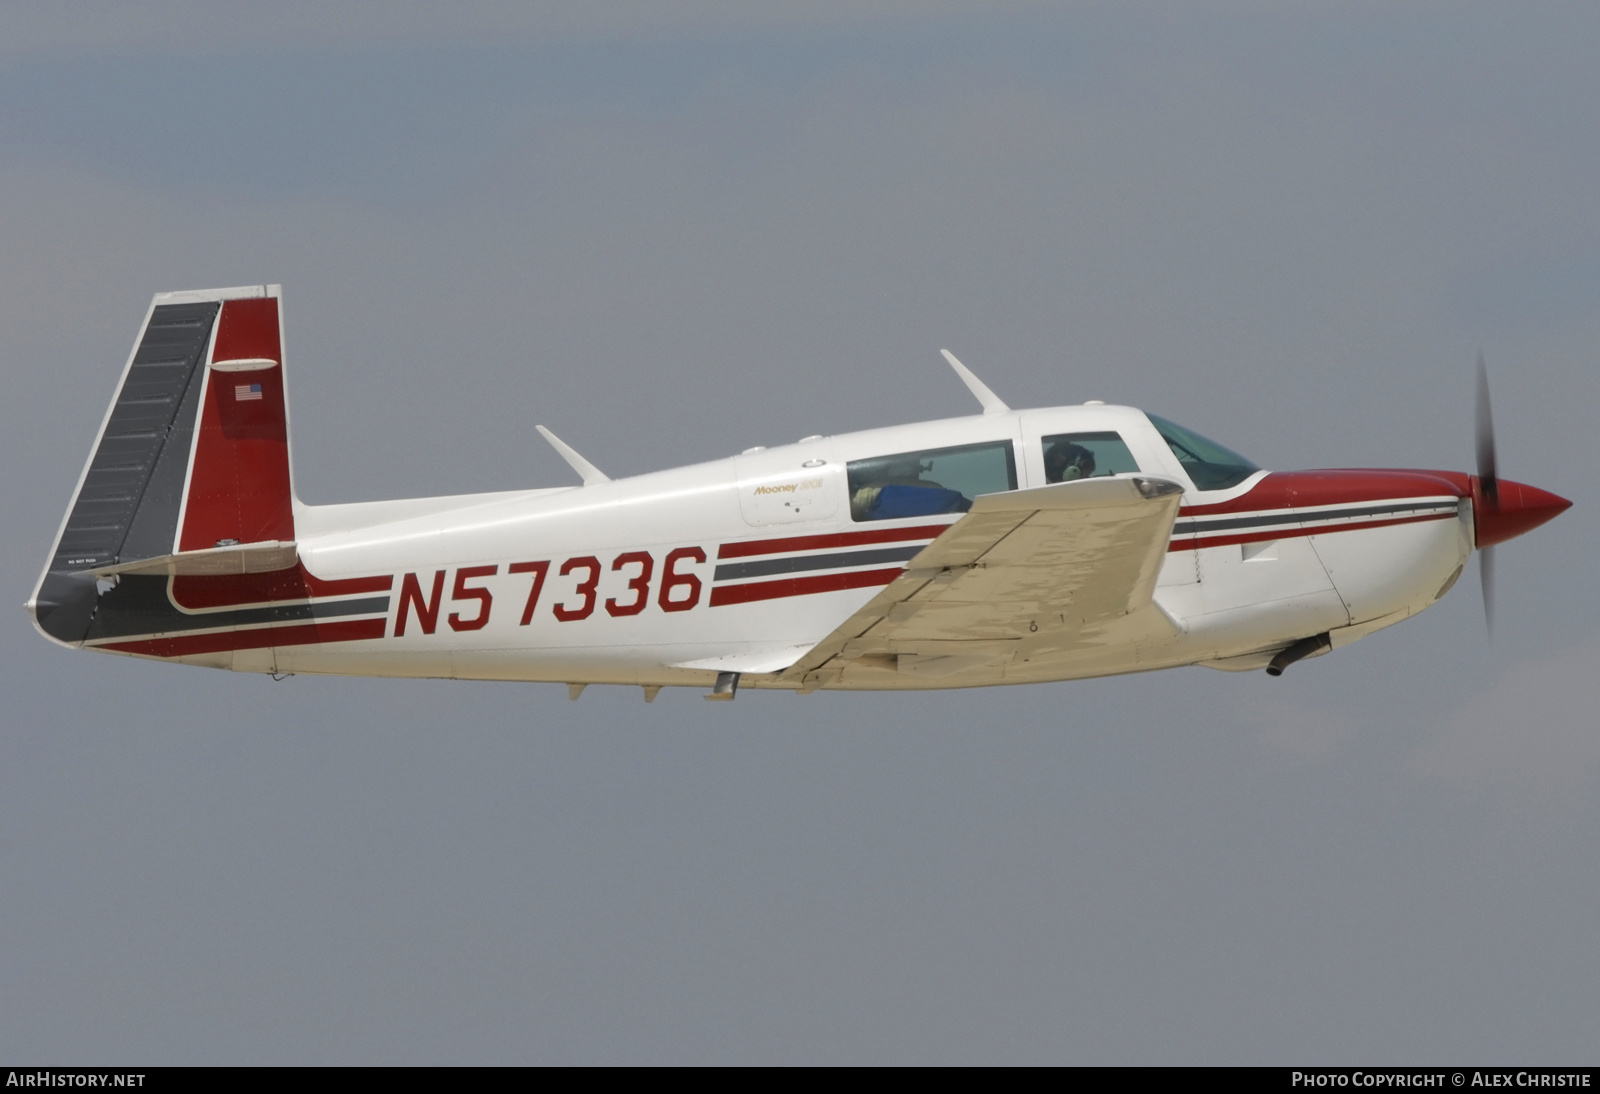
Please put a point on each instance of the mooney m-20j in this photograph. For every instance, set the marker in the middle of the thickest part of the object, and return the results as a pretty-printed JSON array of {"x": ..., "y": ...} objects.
[{"x": 1007, "y": 547}]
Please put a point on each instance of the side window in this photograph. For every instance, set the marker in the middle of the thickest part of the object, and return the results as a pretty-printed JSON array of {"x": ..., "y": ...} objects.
[
  {"x": 1069, "y": 456},
  {"x": 939, "y": 480}
]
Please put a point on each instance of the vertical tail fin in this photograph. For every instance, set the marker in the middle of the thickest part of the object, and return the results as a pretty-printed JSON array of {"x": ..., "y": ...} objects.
[
  {"x": 238, "y": 490},
  {"x": 193, "y": 455}
]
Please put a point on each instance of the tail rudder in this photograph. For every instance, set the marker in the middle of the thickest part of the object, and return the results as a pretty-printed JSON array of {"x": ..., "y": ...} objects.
[{"x": 190, "y": 472}]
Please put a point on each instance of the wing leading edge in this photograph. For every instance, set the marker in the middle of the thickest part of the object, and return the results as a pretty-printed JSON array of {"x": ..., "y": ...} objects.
[{"x": 1028, "y": 574}]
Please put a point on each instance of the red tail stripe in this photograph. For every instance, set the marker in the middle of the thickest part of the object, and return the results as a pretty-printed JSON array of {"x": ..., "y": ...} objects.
[
  {"x": 345, "y": 586},
  {"x": 747, "y": 548},
  {"x": 800, "y": 586},
  {"x": 303, "y": 634},
  {"x": 231, "y": 590}
]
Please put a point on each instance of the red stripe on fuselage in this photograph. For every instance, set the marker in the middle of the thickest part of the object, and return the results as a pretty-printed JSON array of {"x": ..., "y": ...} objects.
[
  {"x": 1192, "y": 543},
  {"x": 747, "y": 548},
  {"x": 198, "y": 593},
  {"x": 1306, "y": 489},
  {"x": 800, "y": 586},
  {"x": 300, "y": 634}
]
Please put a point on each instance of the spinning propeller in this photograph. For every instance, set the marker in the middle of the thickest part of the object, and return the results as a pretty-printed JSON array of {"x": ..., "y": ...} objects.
[
  {"x": 1500, "y": 510},
  {"x": 1488, "y": 490}
]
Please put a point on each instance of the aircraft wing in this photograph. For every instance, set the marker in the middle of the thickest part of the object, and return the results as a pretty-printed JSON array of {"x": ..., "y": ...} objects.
[{"x": 1027, "y": 573}]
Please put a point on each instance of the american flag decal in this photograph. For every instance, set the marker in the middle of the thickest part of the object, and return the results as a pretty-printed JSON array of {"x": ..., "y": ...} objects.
[{"x": 243, "y": 393}]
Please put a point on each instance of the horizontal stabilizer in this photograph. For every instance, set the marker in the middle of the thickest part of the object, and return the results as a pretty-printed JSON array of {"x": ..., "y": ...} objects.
[{"x": 242, "y": 558}]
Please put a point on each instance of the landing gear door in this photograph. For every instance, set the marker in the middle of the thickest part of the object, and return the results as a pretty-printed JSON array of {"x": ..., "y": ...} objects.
[{"x": 789, "y": 485}]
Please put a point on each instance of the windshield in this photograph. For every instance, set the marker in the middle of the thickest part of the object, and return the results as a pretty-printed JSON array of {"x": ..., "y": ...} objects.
[{"x": 1210, "y": 466}]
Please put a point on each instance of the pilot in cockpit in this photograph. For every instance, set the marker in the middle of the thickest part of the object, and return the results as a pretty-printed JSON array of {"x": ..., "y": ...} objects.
[
  {"x": 899, "y": 486},
  {"x": 1065, "y": 461}
]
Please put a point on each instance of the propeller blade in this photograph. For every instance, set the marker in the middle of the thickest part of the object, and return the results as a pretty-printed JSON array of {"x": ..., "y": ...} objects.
[
  {"x": 1488, "y": 465},
  {"x": 1486, "y": 578},
  {"x": 1489, "y": 488}
]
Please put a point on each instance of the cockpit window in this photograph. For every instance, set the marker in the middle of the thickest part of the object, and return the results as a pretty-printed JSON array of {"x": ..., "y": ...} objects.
[
  {"x": 938, "y": 480},
  {"x": 1069, "y": 456},
  {"x": 1210, "y": 466}
]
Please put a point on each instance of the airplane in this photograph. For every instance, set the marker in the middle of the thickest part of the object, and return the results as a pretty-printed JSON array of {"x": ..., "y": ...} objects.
[{"x": 1005, "y": 547}]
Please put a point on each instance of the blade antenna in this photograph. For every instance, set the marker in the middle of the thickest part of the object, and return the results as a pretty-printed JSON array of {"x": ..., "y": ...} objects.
[
  {"x": 588, "y": 472},
  {"x": 992, "y": 403}
]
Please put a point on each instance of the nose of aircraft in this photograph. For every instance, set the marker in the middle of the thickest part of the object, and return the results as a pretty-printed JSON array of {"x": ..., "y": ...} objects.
[{"x": 1511, "y": 510}]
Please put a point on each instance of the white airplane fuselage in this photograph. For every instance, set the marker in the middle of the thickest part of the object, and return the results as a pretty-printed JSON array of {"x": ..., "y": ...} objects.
[{"x": 736, "y": 565}]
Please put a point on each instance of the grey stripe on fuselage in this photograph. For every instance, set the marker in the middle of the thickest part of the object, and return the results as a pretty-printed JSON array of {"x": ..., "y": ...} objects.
[
  {"x": 729, "y": 571},
  {"x": 1194, "y": 525}
]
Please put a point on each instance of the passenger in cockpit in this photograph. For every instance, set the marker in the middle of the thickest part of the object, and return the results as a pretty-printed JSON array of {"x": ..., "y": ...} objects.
[{"x": 1065, "y": 461}]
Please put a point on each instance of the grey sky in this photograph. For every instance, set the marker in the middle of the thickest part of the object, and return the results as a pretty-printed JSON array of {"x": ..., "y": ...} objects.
[{"x": 671, "y": 237}]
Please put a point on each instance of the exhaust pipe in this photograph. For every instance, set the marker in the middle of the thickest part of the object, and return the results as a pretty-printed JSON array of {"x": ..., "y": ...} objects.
[{"x": 1301, "y": 649}]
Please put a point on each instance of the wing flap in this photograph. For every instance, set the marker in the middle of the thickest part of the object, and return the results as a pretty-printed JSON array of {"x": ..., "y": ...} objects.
[{"x": 1030, "y": 572}]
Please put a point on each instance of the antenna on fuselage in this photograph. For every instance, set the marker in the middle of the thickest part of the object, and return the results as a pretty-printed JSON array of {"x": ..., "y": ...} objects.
[
  {"x": 992, "y": 403},
  {"x": 588, "y": 472}
]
